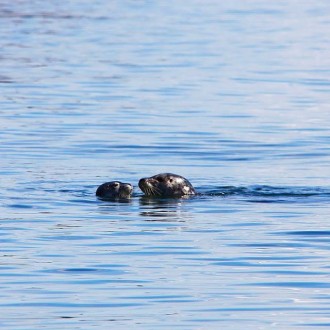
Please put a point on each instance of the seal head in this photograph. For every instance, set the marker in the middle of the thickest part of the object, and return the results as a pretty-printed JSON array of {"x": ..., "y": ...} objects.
[
  {"x": 166, "y": 185},
  {"x": 114, "y": 190}
]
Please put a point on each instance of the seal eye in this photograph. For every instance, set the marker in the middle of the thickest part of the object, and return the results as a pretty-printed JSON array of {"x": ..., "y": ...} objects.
[
  {"x": 115, "y": 184},
  {"x": 160, "y": 179}
]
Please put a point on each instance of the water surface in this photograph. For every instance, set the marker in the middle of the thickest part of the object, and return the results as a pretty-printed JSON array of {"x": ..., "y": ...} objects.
[{"x": 233, "y": 96}]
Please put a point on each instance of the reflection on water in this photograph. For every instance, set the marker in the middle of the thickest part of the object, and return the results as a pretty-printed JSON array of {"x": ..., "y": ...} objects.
[
  {"x": 171, "y": 209},
  {"x": 233, "y": 96}
]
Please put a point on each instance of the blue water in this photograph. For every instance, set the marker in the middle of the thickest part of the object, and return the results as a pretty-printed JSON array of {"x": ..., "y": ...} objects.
[{"x": 234, "y": 96}]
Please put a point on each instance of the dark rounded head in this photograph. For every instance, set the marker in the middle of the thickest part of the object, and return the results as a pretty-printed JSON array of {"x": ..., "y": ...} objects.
[
  {"x": 114, "y": 190},
  {"x": 166, "y": 185}
]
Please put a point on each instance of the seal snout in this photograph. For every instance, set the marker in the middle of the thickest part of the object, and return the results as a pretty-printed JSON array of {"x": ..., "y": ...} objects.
[
  {"x": 127, "y": 187},
  {"x": 143, "y": 183},
  {"x": 149, "y": 186},
  {"x": 125, "y": 190}
]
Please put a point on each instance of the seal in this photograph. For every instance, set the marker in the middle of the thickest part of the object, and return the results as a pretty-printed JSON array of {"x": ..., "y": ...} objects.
[
  {"x": 114, "y": 190},
  {"x": 166, "y": 185}
]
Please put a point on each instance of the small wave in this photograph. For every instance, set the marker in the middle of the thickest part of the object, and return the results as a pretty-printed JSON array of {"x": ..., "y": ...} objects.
[
  {"x": 309, "y": 233},
  {"x": 268, "y": 192}
]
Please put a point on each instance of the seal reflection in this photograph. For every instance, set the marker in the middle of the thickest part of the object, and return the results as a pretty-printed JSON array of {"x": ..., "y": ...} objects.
[{"x": 163, "y": 209}]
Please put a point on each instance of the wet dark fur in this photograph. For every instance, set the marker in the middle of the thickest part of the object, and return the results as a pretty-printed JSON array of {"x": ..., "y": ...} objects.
[
  {"x": 166, "y": 185},
  {"x": 114, "y": 190}
]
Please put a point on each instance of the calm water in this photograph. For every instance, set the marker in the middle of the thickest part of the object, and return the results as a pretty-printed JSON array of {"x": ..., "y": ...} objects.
[{"x": 234, "y": 96}]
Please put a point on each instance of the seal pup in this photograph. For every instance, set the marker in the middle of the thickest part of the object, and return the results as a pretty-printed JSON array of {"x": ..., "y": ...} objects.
[
  {"x": 166, "y": 185},
  {"x": 114, "y": 190}
]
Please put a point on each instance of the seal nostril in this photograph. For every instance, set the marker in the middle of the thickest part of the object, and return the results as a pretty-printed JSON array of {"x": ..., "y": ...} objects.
[{"x": 142, "y": 182}]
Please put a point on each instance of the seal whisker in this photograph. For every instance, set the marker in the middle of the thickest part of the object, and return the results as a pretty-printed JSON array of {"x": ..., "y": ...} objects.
[
  {"x": 152, "y": 191},
  {"x": 157, "y": 191}
]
